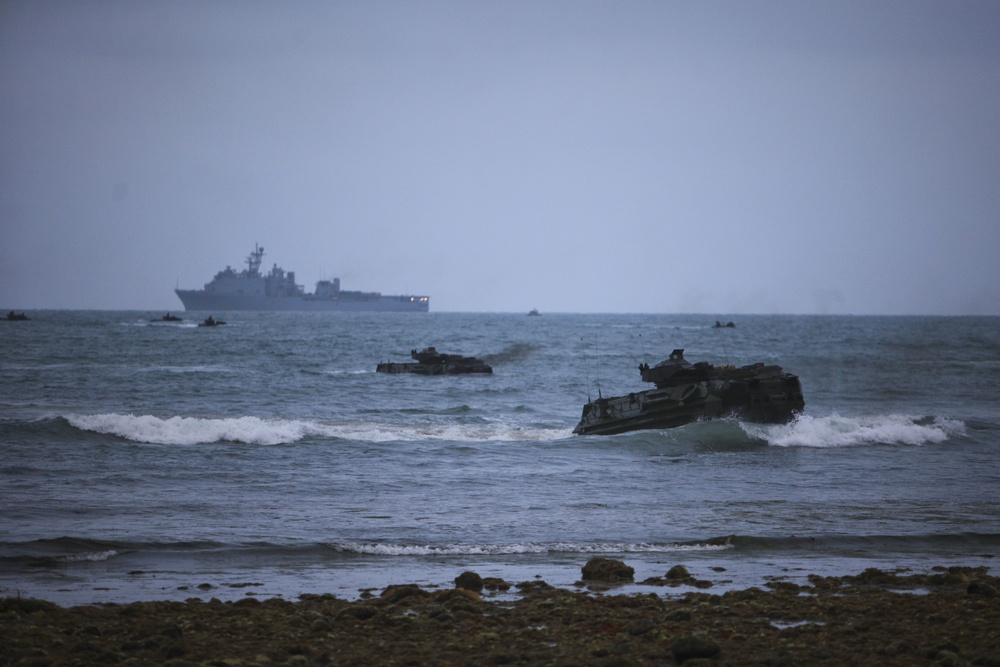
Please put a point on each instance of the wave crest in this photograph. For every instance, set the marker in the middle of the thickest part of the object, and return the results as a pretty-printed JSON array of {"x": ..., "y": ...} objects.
[
  {"x": 383, "y": 549},
  {"x": 193, "y": 430},
  {"x": 837, "y": 431},
  {"x": 257, "y": 431},
  {"x": 88, "y": 557}
]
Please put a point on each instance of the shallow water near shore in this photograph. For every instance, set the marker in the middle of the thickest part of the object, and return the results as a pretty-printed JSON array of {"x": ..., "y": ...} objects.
[{"x": 165, "y": 461}]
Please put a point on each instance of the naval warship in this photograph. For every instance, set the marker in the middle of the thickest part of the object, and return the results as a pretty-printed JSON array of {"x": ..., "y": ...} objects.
[
  {"x": 688, "y": 392},
  {"x": 250, "y": 289}
]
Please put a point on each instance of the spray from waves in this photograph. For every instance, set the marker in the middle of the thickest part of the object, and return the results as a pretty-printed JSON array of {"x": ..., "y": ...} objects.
[
  {"x": 837, "y": 431},
  {"x": 256, "y": 431},
  {"x": 379, "y": 549},
  {"x": 194, "y": 430},
  {"x": 88, "y": 557}
]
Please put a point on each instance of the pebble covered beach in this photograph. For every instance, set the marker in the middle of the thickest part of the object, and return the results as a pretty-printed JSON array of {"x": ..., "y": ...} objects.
[{"x": 948, "y": 616}]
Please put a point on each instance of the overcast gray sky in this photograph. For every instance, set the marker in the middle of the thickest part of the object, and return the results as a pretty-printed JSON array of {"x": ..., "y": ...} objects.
[{"x": 715, "y": 157}]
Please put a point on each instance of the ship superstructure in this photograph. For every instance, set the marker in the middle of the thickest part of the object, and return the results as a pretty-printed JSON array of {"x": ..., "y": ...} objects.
[{"x": 250, "y": 289}]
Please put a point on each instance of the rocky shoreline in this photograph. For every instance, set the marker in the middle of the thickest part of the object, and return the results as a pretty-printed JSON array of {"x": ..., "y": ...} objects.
[{"x": 948, "y": 617}]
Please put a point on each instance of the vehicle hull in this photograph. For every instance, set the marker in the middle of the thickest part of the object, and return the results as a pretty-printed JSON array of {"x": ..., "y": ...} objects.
[
  {"x": 200, "y": 300},
  {"x": 686, "y": 393}
]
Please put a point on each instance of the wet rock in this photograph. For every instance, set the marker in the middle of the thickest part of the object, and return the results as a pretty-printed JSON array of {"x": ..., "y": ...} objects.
[
  {"x": 982, "y": 588},
  {"x": 641, "y": 626},
  {"x": 495, "y": 584},
  {"x": 457, "y": 595},
  {"x": 949, "y": 659},
  {"x": 607, "y": 569},
  {"x": 469, "y": 581},
  {"x": 362, "y": 613},
  {"x": 693, "y": 646},
  {"x": 617, "y": 661},
  {"x": 394, "y": 594},
  {"x": 679, "y": 615},
  {"x": 678, "y": 572},
  {"x": 25, "y": 605},
  {"x": 527, "y": 587},
  {"x": 247, "y": 602},
  {"x": 877, "y": 577}
]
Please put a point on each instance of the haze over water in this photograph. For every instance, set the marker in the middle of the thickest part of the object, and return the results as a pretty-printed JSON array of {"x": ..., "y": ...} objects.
[{"x": 575, "y": 156}]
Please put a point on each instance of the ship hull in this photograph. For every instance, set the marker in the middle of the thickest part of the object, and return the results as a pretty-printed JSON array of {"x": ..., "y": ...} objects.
[{"x": 200, "y": 300}]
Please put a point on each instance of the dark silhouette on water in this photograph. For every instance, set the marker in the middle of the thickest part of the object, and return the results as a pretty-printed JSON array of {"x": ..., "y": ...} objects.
[
  {"x": 688, "y": 392},
  {"x": 211, "y": 322},
  {"x": 432, "y": 362}
]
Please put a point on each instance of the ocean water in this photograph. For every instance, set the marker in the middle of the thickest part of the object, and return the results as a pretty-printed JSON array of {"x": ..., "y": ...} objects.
[{"x": 145, "y": 460}]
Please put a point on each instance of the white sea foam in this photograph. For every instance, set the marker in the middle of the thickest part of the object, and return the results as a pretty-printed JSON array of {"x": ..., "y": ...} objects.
[
  {"x": 195, "y": 430},
  {"x": 256, "y": 431},
  {"x": 89, "y": 557},
  {"x": 837, "y": 431},
  {"x": 381, "y": 549}
]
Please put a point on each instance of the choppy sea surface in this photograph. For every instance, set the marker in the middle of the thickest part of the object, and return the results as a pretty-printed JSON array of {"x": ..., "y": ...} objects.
[{"x": 143, "y": 460}]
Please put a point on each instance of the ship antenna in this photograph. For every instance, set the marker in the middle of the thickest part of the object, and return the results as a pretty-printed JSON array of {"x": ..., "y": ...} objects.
[{"x": 645, "y": 359}]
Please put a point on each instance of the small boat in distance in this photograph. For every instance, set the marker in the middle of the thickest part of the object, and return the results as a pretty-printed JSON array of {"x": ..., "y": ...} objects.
[
  {"x": 211, "y": 322},
  {"x": 17, "y": 317},
  {"x": 534, "y": 311},
  {"x": 432, "y": 362},
  {"x": 167, "y": 318},
  {"x": 688, "y": 392}
]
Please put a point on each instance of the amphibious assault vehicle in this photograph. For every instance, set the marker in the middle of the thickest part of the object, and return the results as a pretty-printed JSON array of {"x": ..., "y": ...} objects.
[
  {"x": 688, "y": 392},
  {"x": 432, "y": 362}
]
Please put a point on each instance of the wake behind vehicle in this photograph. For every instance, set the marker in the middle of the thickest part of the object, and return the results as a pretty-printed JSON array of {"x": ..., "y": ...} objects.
[{"x": 688, "y": 392}]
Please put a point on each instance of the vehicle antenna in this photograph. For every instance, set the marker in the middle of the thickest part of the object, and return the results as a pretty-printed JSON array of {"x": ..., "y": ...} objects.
[
  {"x": 597, "y": 364},
  {"x": 597, "y": 381}
]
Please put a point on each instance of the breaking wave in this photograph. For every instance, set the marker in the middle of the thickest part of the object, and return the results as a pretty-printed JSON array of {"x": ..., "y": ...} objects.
[
  {"x": 89, "y": 556},
  {"x": 837, "y": 431},
  {"x": 256, "y": 431},
  {"x": 195, "y": 430},
  {"x": 381, "y": 549}
]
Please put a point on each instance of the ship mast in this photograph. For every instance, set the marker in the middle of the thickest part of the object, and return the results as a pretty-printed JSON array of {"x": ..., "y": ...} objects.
[{"x": 253, "y": 261}]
